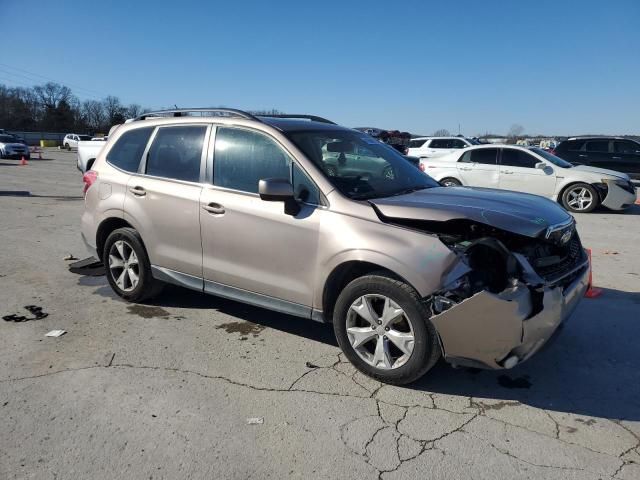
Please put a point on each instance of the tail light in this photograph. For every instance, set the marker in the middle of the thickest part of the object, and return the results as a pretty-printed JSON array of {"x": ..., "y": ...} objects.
[
  {"x": 421, "y": 165},
  {"x": 89, "y": 178}
]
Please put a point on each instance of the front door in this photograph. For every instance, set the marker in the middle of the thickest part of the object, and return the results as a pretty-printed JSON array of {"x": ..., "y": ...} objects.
[
  {"x": 518, "y": 172},
  {"x": 253, "y": 245}
]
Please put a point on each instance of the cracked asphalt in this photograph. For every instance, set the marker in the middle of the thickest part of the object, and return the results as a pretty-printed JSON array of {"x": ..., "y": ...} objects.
[{"x": 165, "y": 390}]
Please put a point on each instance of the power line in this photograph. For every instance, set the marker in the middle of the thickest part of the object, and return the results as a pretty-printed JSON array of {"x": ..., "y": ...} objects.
[{"x": 33, "y": 74}]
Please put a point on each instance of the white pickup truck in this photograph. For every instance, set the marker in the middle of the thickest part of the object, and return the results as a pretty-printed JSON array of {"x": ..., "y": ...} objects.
[{"x": 88, "y": 151}]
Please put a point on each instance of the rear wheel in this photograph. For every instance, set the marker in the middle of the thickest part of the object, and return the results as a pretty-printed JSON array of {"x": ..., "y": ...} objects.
[
  {"x": 128, "y": 267},
  {"x": 384, "y": 329},
  {"x": 450, "y": 182},
  {"x": 580, "y": 198}
]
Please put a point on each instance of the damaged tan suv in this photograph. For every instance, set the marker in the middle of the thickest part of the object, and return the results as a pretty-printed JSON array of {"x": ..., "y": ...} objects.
[{"x": 302, "y": 216}]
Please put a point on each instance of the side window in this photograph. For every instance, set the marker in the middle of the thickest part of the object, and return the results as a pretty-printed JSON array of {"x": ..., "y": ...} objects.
[
  {"x": 458, "y": 143},
  {"x": 304, "y": 189},
  {"x": 598, "y": 146},
  {"x": 242, "y": 158},
  {"x": 517, "y": 158},
  {"x": 466, "y": 158},
  {"x": 416, "y": 143},
  {"x": 176, "y": 152},
  {"x": 626, "y": 147},
  {"x": 574, "y": 145},
  {"x": 440, "y": 143},
  {"x": 486, "y": 156},
  {"x": 128, "y": 149}
]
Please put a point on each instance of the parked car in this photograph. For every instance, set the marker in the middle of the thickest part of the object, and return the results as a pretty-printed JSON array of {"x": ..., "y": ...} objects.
[
  {"x": 620, "y": 154},
  {"x": 246, "y": 208},
  {"x": 11, "y": 147},
  {"x": 88, "y": 151},
  {"x": 429, "y": 147},
  {"x": 71, "y": 140},
  {"x": 534, "y": 170}
]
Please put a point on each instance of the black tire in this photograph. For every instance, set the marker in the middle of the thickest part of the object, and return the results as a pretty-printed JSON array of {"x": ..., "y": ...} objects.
[
  {"x": 147, "y": 286},
  {"x": 426, "y": 349},
  {"x": 566, "y": 194},
  {"x": 450, "y": 182}
]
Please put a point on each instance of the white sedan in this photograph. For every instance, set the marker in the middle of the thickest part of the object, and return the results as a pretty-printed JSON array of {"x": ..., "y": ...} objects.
[{"x": 533, "y": 170}]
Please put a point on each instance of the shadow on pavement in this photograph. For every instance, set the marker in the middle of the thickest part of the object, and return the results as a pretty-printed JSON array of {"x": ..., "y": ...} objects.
[{"x": 592, "y": 366}]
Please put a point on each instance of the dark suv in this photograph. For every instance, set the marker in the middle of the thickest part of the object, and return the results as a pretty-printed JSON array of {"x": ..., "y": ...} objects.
[{"x": 614, "y": 153}]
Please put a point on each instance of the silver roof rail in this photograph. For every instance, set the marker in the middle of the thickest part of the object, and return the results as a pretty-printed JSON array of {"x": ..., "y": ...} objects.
[
  {"x": 198, "y": 112},
  {"x": 313, "y": 118}
]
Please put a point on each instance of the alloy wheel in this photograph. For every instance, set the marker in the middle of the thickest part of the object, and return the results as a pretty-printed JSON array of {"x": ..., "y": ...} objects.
[
  {"x": 579, "y": 198},
  {"x": 380, "y": 332},
  {"x": 123, "y": 266}
]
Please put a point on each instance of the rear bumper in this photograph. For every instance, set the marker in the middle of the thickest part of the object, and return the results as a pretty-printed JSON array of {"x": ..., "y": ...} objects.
[{"x": 497, "y": 331}]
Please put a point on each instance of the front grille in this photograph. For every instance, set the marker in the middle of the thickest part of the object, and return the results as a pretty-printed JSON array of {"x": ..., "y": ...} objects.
[{"x": 572, "y": 257}]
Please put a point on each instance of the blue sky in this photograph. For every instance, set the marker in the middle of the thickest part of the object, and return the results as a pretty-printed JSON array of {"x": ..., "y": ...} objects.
[{"x": 563, "y": 67}]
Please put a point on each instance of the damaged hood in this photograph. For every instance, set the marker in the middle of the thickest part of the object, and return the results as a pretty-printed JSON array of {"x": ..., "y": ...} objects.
[{"x": 515, "y": 212}]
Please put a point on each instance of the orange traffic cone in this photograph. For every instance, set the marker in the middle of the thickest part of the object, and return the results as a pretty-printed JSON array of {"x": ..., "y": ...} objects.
[
  {"x": 23, "y": 161},
  {"x": 591, "y": 292}
]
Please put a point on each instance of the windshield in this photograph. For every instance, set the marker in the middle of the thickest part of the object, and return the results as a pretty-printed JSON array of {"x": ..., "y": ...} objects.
[
  {"x": 557, "y": 161},
  {"x": 359, "y": 166}
]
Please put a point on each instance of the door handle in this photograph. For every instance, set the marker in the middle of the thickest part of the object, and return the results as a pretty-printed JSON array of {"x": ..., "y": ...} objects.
[
  {"x": 138, "y": 191},
  {"x": 507, "y": 172},
  {"x": 616, "y": 158},
  {"x": 465, "y": 169},
  {"x": 214, "y": 208},
  {"x": 582, "y": 156}
]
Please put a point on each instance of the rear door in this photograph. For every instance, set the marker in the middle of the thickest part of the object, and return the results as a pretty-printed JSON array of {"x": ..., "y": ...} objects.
[
  {"x": 438, "y": 147},
  {"x": 597, "y": 153},
  {"x": 626, "y": 157},
  {"x": 518, "y": 172},
  {"x": 479, "y": 167},
  {"x": 162, "y": 199}
]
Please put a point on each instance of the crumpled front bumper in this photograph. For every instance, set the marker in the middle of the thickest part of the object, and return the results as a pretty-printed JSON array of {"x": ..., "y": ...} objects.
[
  {"x": 496, "y": 331},
  {"x": 618, "y": 198}
]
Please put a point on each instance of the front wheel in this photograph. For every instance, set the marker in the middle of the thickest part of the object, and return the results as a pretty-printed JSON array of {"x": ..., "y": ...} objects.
[
  {"x": 580, "y": 198},
  {"x": 384, "y": 329},
  {"x": 128, "y": 267},
  {"x": 450, "y": 182}
]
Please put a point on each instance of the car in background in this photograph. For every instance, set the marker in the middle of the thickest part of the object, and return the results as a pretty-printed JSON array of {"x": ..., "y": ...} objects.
[
  {"x": 620, "y": 154},
  {"x": 580, "y": 188},
  {"x": 429, "y": 147},
  {"x": 71, "y": 140},
  {"x": 88, "y": 151},
  {"x": 11, "y": 147}
]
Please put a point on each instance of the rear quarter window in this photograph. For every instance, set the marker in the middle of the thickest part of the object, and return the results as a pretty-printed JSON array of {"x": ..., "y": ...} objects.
[{"x": 127, "y": 152}]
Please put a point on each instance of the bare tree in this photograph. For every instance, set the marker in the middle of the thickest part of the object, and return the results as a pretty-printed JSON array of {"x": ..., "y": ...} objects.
[
  {"x": 94, "y": 115},
  {"x": 51, "y": 94},
  {"x": 114, "y": 110},
  {"x": 515, "y": 131},
  {"x": 133, "y": 110},
  {"x": 443, "y": 132}
]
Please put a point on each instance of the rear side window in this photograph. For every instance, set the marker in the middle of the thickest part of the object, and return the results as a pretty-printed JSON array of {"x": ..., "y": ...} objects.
[
  {"x": 242, "y": 158},
  {"x": 416, "y": 143},
  {"x": 518, "y": 158},
  {"x": 455, "y": 143},
  {"x": 598, "y": 146},
  {"x": 128, "y": 149},
  {"x": 571, "y": 145},
  {"x": 440, "y": 143},
  {"x": 626, "y": 147},
  {"x": 176, "y": 152},
  {"x": 486, "y": 156}
]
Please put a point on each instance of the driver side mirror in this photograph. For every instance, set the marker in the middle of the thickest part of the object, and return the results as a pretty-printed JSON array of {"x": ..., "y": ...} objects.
[
  {"x": 541, "y": 166},
  {"x": 275, "y": 189}
]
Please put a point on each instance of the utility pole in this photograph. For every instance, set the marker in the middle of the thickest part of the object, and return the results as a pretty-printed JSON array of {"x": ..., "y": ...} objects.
[{"x": 458, "y": 128}]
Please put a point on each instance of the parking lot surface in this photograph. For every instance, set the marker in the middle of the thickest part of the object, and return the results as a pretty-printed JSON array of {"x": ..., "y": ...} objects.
[{"x": 194, "y": 386}]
